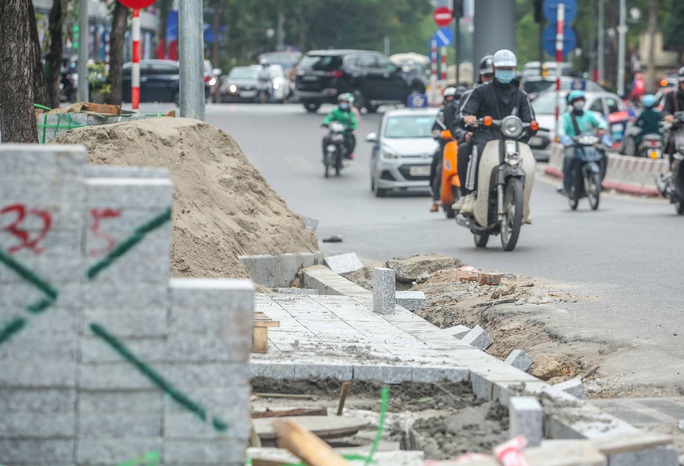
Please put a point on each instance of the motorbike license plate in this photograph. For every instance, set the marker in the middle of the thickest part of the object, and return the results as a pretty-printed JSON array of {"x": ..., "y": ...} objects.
[
  {"x": 420, "y": 170},
  {"x": 247, "y": 94}
]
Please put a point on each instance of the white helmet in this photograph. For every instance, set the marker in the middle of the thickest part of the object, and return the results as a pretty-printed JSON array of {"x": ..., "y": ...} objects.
[{"x": 504, "y": 59}]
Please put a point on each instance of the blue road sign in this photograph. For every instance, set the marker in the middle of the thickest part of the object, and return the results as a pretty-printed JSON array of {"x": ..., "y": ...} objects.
[
  {"x": 444, "y": 37},
  {"x": 417, "y": 101},
  {"x": 549, "y": 40},
  {"x": 550, "y": 8}
]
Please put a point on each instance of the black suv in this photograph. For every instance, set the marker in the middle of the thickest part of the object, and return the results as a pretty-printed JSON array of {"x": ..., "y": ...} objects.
[{"x": 374, "y": 80}]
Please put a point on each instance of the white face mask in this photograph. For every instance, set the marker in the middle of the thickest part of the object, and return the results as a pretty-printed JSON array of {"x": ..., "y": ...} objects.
[{"x": 578, "y": 105}]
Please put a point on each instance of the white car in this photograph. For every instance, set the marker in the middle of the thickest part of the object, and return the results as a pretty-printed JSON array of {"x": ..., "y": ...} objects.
[
  {"x": 280, "y": 84},
  {"x": 403, "y": 151}
]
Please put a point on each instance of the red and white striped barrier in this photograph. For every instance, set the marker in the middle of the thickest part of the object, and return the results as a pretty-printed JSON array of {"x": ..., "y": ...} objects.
[
  {"x": 135, "y": 69},
  {"x": 629, "y": 175}
]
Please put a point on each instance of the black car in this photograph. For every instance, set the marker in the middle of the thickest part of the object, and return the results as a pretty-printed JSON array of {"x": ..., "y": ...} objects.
[
  {"x": 241, "y": 85},
  {"x": 159, "y": 81},
  {"x": 322, "y": 75}
]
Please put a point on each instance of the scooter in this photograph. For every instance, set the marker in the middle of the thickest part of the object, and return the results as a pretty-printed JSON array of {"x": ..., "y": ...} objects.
[
  {"x": 586, "y": 171},
  {"x": 672, "y": 187},
  {"x": 651, "y": 146},
  {"x": 449, "y": 183},
  {"x": 335, "y": 148},
  {"x": 505, "y": 180}
]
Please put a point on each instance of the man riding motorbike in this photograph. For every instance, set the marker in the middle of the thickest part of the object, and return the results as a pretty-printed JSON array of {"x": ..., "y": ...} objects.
[
  {"x": 465, "y": 137},
  {"x": 674, "y": 102},
  {"x": 445, "y": 119},
  {"x": 648, "y": 121},
  {"x": 503, "y": 97},
  {"x": 575, "y": 122},
  {"x": 346, "y": 116}
]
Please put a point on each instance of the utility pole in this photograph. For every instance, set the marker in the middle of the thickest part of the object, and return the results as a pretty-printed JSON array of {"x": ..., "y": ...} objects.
[
  {"x": 281, "y": 31},
  {"x": 601, "y": 42},
  {"x": 622, "y": 31},
  {"x": 457, "y": 10},
  {"x": 83, "y": 41},
  {"x": 191, "y": 55}
]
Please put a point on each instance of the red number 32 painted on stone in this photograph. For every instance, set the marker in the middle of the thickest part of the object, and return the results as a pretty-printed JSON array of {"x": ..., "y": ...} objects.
[{"x": 26, "y": 241}]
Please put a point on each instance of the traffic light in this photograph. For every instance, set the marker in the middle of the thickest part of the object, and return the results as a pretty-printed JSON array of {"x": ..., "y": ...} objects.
[
  {"x": 538, "y": 11},
  {"x": 458, "y": 8},
  {"x": 75, "y": 36}
]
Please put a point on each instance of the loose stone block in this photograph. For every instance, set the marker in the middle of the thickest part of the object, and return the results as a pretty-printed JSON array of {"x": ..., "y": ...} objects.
[
  {"x": 458, "y": 331},
  {"x": 519, "y": 359},
  {"x": 125, "y": 193},
  {"x": 383, "y": 373},
  {"x": 526, "y": 418},
  {"x": 384, "y": 291},
  {"x": 322, "y": 371},
  {"x": 650, "y": 457},
  {"x": 410, "y": 300},
  {"x": 343, "y": 263},
  {"x": 272, "y": 370},
  {"x": 571, "y": 387},
  {"x": 478, "y": 338},
  {"x": 434, "y": 374},
  {"x": 207, "y": 294}
]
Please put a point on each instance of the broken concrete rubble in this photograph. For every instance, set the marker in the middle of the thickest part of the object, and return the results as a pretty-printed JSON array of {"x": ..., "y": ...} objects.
[
  {"x": 412, "y": 268},
  {"x": 344, "y": 263}
]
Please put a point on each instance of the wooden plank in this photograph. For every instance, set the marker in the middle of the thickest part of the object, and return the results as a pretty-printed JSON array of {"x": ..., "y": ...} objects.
[
  {"x": 260, "y": 339},
  {"x": 624, "y": 443},
  {"x": 285, "y": 395},
  {"x": 307, "y": 446},
  {"x": 266, "y": 323},
  {"x": 103, "y": 109},
  {"x": 322, "y": 426},
  {"x": 291, "y": 413}
]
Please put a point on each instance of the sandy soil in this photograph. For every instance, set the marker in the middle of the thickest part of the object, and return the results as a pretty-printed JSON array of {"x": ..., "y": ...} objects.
[{"x": 223, "y": 207}]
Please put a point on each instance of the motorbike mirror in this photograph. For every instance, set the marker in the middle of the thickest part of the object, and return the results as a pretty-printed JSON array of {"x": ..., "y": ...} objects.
[
  {"x": 217, "y": 71},
  {"x": 534, "y": 126},
  {"x": 487, "y": 121},
  {"x": 446, "y": 134},
  {"x": 372, "y": 137}
]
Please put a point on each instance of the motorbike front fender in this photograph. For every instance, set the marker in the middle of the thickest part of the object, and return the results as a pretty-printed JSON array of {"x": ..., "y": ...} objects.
[{"x": 591, "y": 167}]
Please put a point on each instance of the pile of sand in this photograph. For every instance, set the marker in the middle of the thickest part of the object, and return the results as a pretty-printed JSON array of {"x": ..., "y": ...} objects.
[{"x": 223, "y": 207}]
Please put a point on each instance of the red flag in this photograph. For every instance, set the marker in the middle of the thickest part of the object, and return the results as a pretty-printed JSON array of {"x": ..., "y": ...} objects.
[
  {"x": 161, "y": 50},
  {"x": 173, "y": 50}
]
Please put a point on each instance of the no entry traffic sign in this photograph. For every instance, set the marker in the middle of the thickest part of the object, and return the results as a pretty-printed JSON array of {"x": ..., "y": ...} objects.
[
  {"x": 136, "y": 3},
  {"x": 443, "y": 16}
]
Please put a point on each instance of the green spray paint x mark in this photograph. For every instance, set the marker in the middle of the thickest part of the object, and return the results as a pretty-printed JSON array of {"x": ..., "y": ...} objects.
[{"x": 156, "y": 378}]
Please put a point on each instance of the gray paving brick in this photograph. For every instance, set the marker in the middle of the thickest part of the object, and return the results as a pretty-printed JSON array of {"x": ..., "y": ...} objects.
[
  {"x": 650, "y": 457},
  {"x": 112, "y": 376},
  {"x": 478, "y": 338},
  {"x": 222, "y": 452},
  {"x": 411, "y": 300},
  {"x": 526, "y": 418},
  {"x": 344, "y": 263},
  {"x": 297, "y": 291},
  {"x": 21, "y": 295},
  {"x": 119, "y": 425},
  {"x": 123, "y": 193},
  {"x": 32, "y": 346},
  {"x": 272, "y": 370},
  {"x": 47, "y": 400},
  {"x": 204, "y": 374},
  {"x": 181, "y": 347},
  {"x": 431, "y": 374},
  {"x": 224, "y": 322},
  {"x": 458, "y": 331},
  {"x": 95, "y": 350},
  {"x": 322, "y": 371},
  {"x": 207, "y": 294},
  {"x": 138, "y": 402},
  {"x": 23, "y": 425},
  {"x": 383, "y": 373},
  {"x": 105, "y": 295},
  {"x": 42, "y": 161},
  {"x": 126, "y": 322},
  {"x": 45, "y": 451},
  {"x": 384, "y": 291},
  {"x": 37, "y": 373},
  {"x": 112, "y": 451},
  {"x": 572, "y": 387},
  {"x": 519, "y": 359},
  {"x": 50, "y": 267}
]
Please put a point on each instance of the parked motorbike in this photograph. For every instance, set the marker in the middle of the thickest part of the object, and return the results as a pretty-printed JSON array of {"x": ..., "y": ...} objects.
[
  {"x": 447, "y": 178},
  {"x": 586, "y": 171},
  {"x": 67, "y": 86},
  {"x": 505, "y": 180},
  {"x": 651, "y": 146},
  {"x": 335, "y": 148},
  {"x": 672, "y": 187}
]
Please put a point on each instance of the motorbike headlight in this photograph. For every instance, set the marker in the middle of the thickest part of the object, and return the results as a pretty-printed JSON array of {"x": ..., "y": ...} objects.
[
  {"x": 276, "y": 86},
  {"x": 512, "y": 155},
  {"x": 388, "y": 154},
  {"x": 511, "y": 127},
  {"x": 232, "y": 88},
  {"x": 212, "y": 81}
]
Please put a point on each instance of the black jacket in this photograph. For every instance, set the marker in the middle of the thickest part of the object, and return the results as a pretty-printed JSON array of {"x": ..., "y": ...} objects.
[
  {"x": 498, "y": 101},
  {"x": 447, "y": 117},
  {"x": 670, "y": 106}
]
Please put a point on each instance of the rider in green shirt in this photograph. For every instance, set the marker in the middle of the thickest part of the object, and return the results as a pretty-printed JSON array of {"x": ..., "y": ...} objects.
[{"x": 344, "y": 114}]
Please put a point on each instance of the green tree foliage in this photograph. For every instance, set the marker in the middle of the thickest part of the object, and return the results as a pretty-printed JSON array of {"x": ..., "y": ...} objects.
[{"x": 673, "y": 27}]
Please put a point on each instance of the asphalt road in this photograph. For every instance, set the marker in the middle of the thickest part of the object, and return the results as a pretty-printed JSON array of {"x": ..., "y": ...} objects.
[{"x": 628, "y": 254}]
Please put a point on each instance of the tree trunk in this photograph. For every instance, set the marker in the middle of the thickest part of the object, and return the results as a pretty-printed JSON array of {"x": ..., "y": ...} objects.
[
  {"x": 116, "y": 51},
  {"x": 652, "y": 28},
  {"x": 17, "y": 117},
  {"x": 54, "y": 57},
  {"x": 40, "y": 90},
  {"x": 218, "y": 14}
]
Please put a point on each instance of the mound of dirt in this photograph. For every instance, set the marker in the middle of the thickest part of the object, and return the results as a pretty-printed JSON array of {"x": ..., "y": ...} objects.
[{"x": 223, "y": 207}]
